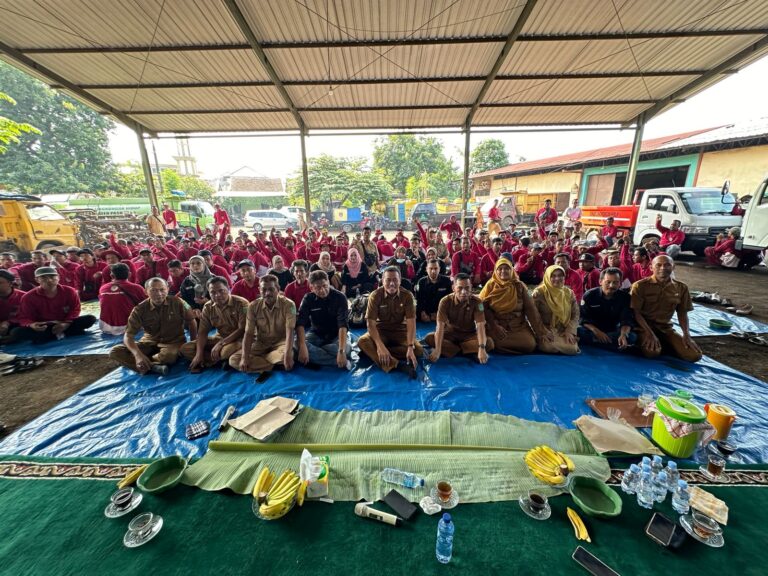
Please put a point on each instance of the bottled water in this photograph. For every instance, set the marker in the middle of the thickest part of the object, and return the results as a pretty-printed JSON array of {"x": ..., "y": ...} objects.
[
  {"x": 444, "y": 546},
  {"x": 681, "y": 498},
  {"x": 395, "y": 476},
  {"x": 645, "y": 491},
  {"x": 673, "y": 475},
  {"x": 631, "y": 479},
  {"x": 660, "y": 487},
  {"x": 645, "y": 461},
  {"x": 657, "y": 465}
]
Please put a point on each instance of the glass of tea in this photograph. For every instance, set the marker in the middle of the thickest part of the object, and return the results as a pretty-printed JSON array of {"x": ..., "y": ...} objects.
[{"x": 715, "y": 464}]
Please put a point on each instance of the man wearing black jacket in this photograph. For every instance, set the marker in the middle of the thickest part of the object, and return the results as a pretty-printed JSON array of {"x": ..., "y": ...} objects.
[
  {"x": 430, "y": 290},
  {"x": 606, "y": 315}
]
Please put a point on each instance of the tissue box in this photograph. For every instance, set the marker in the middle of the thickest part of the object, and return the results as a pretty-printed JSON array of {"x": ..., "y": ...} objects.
[{"x": 319, "y": 488}]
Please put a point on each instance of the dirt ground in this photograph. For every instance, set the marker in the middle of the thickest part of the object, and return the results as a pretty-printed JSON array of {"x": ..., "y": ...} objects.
[{"x": 27, "y": 395}]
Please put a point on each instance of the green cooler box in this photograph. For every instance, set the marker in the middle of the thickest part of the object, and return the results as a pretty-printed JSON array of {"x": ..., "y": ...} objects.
[{"x": 683, "y": 410}]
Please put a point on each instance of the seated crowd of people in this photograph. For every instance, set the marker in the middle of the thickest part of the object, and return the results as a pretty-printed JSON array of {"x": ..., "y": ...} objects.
[{"x": 252, "y": 303}]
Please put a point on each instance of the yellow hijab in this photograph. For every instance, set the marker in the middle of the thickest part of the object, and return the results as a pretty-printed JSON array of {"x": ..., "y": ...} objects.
[
  {"x": 501, "y": 295},
  {"x": 558, "y": 299}
]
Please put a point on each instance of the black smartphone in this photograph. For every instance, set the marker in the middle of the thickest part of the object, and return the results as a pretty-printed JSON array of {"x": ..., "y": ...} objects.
[
  {"x": 660, "y": 529},
  {"x": 592, "y": 564}
]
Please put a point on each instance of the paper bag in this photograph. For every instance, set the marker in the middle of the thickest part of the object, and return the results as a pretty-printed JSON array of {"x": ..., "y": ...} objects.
[
  {"x": 609, "y": 436},
  {"x": 266, "y": 418}
]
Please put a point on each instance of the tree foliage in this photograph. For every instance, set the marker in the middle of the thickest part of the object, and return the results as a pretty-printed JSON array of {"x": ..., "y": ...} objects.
[
  {"x": 130, "y": 183},
  {"x": 345, "y": 181},
  {"x": 69, "y": 152},
  {"x": 10, "y": 130},
  {"x": 488, "y": 155},
  {"x": 420, "y": 160}
]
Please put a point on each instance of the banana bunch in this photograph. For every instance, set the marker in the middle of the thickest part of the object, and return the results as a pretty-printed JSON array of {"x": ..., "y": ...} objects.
[
  {"x": 131, "y": 477},
  {"x": 549, "y": 466},
  {"x": 579, "y": 529},
  {"x": 275, "y": 496}
]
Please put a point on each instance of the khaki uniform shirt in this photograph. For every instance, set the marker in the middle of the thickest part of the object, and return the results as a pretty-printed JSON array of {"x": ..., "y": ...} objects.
[
  {"x": 657, "y": 302},
  {"x": 156, "y": 225},
  {"x": 391, "y": 312},
  {"x": 268, "y": 325},
  {"x": 226, "y": 319},
  {"x": 163, "y": 324},
  {"x": 460, "y": 317}
]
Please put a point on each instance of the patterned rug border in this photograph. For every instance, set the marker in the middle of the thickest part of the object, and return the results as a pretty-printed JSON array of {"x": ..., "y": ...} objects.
[
  {"x": 734, "y": 477},
  {"x": 101, "y": 471}
]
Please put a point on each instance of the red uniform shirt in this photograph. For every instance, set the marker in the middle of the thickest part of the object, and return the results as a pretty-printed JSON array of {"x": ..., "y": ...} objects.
[
  {"x": 88, "y": 282},
  {"x": 117, "y": 300},
  {"x": 242, "y": 289},
  {"x": 26, "y": 273},
  {"x": 174, "y": 282},
  {"x": 9, "y": 306},
  {"x": 170, "y": 221},
  {"x": 221, "y": 217},
  {"x": 37, "y": 307},
  {"x": 185, "y": 253},
  {"x": 487, "y": 264},
  {"x": 574, "y": 282},
  {"x": 296, "y": 292},
  {"x": 469, "y": 263},
  {"x": 669, "y": 237},
  {"x": 589, "y": 279}
]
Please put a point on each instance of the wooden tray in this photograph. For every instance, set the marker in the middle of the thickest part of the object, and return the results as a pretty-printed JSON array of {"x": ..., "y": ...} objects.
[{"x": 628, "y": 407}]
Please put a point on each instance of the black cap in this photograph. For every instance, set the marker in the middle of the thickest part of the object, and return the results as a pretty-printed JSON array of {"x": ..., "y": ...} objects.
[
  {"x": 85, "y": 251},
  {"x": 245, "y": 262},
  {"x": 587, "y": 257},
  {"x": 145, "y": 251},
  {"x": 205, "y": 253}
]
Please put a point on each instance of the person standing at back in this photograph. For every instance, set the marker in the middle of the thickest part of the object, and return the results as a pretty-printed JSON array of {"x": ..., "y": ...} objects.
[{"x": 169, "y": 217}]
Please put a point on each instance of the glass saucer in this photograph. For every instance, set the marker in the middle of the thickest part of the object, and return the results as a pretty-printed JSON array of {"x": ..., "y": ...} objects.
[
  {"x": 525, "y": 504},
  {"x": 111, "y": 511},
  {"x": 712, "y": 478},
  {"x": 715, "y": 541},
  {"x": 451, "y": 503},
  {"x": 255, "y": 508},
  {"x": 134, "y": 539}
]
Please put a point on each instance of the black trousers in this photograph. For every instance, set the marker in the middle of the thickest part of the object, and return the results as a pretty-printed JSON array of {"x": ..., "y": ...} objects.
[{"x": 77, "y": 327}]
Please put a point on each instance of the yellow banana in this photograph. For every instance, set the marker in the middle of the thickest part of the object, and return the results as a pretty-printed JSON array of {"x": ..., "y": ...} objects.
[
  {"x": 258, "y": 487},
  {"x": 569, "y": 463},
  {"x": 132, "y": 476},
  {"x": 287, "y": 490},
  {"x": 555, "y": 457},
  {"x": 284, "y": 477},
  {"x": 579, "y": 529},
  {"x": 301, "y": 494},
  {"x": 274, "y": 510}
]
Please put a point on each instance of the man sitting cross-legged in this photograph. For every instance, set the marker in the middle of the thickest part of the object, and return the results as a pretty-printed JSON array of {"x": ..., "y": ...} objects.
[
  {"x": 269, "y": 331},
  {"x": 391, "y": 320},
  {"x": 226, "y": 313}
]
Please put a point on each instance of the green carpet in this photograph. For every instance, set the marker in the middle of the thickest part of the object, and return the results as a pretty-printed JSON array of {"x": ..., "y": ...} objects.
[
  {"x": 479, "y": 476},
  {"x": 57, "y": 527}
]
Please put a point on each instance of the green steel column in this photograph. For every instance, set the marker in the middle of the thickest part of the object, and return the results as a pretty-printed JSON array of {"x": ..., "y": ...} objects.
[
  {"x": 147, "y": 170},
  {"x": 465, "y": 183},
  {"x": 305, "y": 178},
  {"x": 634, "y": 158}
]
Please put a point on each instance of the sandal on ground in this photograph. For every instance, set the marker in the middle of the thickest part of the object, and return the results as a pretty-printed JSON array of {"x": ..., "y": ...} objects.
[
  {"x": 744, "y": 335},
  {"x": 745, "y": 310},
  {"x": 759, "y": 340},
  {"x": 22, "y": 365}
]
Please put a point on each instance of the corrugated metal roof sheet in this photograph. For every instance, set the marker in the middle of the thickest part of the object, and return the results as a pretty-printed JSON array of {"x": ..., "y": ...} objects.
[
  {"x": 585, "y": 156},
  {"x": 739, "y": 131},
  {"x": 379, "y": 54}
]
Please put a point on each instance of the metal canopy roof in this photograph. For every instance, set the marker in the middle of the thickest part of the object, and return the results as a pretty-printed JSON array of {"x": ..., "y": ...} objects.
[{"x": 268, "y": 65}]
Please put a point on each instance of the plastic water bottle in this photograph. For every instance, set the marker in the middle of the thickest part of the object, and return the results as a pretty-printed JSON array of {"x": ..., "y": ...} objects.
[
  {"x": 660, "y": 487},
  {"x": 395, "y": 476},
  {"x": 657, "y": 465},
  {"x": 444, "y": 546},
  {"x": 645, "y": 491},
  {"x": 681, "y": 498},
  {"x": 645, "y": 461},
  {"x": 631, "y": 479},
  {"x": 673, "y": 475}
]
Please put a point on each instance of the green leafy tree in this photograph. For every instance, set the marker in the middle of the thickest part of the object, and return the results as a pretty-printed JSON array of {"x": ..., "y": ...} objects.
[
  {"x": 10, "y": 130},
  {"x": 70, "y": 152},
  {"x": 130, "y": 183},
  {"x": 344, "y": 181},
  {"x": 401, "y": 157},
  {"x": 488, "y": 155}
]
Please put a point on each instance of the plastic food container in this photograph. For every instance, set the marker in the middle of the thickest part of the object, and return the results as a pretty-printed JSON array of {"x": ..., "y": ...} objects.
[
  {"x": 162, "y": 474},
  {"x": 677, "y": 409},
  {"x": 717, "y": 324},
  {"x": 594, "y": 497}
]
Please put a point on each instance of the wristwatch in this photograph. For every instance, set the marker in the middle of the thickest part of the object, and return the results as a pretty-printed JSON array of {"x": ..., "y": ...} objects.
[{"x": 481, "y": 346}]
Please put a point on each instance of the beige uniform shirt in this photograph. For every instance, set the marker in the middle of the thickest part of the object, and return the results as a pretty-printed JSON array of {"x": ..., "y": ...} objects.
[
  {"x": 391, "y": 312},
  {"x": 460, "y": 317},
  {"x": 156, "y": 225},
  {"x": 163, "y": 324},
  {"x": 226, "y": 319},
  {"x": 657, "y": 302},
  {"x": 269, "y": 325}
]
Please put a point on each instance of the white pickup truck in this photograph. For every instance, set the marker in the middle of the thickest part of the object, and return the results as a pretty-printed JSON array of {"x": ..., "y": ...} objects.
[{"x": 754, "y": 228}]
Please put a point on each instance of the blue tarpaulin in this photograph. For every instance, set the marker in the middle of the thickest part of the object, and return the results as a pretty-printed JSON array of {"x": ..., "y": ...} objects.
[{"x": 127, "y": 415}]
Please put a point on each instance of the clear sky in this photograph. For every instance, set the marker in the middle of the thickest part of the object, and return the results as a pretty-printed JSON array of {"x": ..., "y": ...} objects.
[{"x": 739, "y": 97}]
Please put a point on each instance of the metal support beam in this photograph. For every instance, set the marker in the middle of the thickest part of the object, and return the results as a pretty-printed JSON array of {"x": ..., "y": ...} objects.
[
  {"x": 465, "y": 181},
  {"x": 245, "y": 28},
  {"x": 511, "y": 39},
  {"x": 686, "y": 90},
  {"x": 147, "y": 171},
  {"x": 157, "y": 169},
  {"x": 634, "y": 159},
  {"x": 65, "y": 84},
  {"x": 412, "y": 41},
  {"x": 305, "y": 178}
]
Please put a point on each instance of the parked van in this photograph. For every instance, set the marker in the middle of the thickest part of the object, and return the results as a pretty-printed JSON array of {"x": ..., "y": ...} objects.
[
  {"x": 27, "y": 223},
  {"x": 754, "y": 227},
  {"x": 265, "y": 219}
]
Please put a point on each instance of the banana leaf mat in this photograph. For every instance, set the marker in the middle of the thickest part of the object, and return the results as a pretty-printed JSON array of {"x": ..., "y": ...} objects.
[
  {"x": 57, "y": 526},
  {"x": 480, "y": 473}
]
